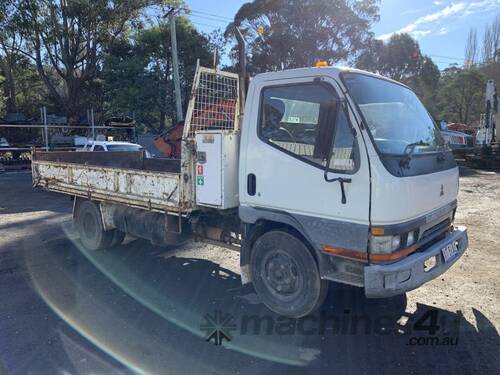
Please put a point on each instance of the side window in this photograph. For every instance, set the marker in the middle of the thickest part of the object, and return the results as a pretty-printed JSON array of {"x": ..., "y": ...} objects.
[
  {"x": 302, "y": 119},
  {"x": 98, "y": 148},
  {"x": 295, "y": 118},
  {"x": 344, "y": 145}
]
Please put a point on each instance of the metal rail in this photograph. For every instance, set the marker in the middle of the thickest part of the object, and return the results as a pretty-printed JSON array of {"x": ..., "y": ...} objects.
[{"x": 89, "y": 127}]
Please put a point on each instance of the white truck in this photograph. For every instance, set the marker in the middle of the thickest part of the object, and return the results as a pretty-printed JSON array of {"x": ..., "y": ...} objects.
[{"x": 330, "y": 175}]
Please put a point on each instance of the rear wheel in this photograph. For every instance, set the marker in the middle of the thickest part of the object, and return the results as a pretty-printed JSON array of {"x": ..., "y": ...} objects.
[
  {"x": 286, "y": 276},
  {"x": 90, "y": 227}
]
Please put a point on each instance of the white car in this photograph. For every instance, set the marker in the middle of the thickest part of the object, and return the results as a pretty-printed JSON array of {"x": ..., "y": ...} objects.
[
  {"x": 4, "y": 143},
  {"x": 113, "y": 146}
]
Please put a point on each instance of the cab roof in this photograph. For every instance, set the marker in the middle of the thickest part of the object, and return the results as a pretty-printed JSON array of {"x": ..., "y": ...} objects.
[{"x": 315, "y": 71}]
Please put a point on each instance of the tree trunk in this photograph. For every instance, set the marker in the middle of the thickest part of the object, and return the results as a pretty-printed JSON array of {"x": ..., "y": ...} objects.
[
  {"x": 9, "y": 86},
  {"x": 162, "y": 121},
  {"x": 73, "y": 101}
]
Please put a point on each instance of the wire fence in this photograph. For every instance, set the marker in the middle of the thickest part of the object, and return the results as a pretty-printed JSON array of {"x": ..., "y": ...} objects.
[{"x": 214, "y": 105}]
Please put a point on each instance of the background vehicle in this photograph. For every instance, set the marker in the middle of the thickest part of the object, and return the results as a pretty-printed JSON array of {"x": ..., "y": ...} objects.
[
  {"x": 486, "y": 152},
  {"x": 333, "y": 175},
  {"x": 459, "y": 142},
  {"x": 4, "y": 143},
  {"x": 113, "y": 146}
]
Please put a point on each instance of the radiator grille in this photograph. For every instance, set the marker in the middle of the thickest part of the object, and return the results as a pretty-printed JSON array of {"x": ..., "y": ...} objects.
[{"x": 435, "y": 230}]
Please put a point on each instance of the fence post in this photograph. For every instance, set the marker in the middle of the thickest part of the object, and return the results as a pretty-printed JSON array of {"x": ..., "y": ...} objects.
[
  {"x": 45, "y": 128},
  {"x": 92, "y": 123}
]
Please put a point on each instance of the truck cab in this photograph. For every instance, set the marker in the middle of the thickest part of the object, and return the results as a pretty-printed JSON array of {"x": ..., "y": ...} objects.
[{"x": 351, "y": 164}]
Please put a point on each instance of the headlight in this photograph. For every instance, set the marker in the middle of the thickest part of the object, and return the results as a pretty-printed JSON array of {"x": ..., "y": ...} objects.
[
  {"x": 384, "y": 244},
  {"x": 411, "y": 238}
]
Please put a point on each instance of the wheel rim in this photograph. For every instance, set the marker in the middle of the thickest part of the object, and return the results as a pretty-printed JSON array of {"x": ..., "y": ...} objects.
[{"x": 281, "y": 274}]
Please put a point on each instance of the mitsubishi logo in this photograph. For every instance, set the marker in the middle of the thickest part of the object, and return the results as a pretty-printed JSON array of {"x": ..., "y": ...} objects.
[{"x": 442, "y": 191}]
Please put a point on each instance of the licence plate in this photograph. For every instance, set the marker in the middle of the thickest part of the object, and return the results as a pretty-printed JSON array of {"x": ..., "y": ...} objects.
[{"x": 450, "y": 251}]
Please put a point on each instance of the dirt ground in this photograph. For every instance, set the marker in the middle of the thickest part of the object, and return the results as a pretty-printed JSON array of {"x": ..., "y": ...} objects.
[
  {"x": 139, "y": 309},
  {"x": 473, "y": 282}
]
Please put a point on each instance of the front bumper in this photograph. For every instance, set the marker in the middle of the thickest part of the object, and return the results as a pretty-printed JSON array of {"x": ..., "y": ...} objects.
[{"x": 386, "y": 280}]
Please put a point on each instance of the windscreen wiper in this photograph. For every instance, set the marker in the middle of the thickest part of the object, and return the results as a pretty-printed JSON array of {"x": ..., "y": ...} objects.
[{"x": 408, "y": 152}]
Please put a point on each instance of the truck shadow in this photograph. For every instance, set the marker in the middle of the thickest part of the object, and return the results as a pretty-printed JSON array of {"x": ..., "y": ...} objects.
[{"x": 158, "y": 312}]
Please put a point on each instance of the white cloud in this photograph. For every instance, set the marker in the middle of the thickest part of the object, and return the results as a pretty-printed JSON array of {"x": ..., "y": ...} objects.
[
  {"x": 438, "y": 2},
  {"x": 425, "y": 25},
  {"x": 443, "y": 13},
  {"x": 417, "y": 34},
  {"x": 443, "y": 31}
]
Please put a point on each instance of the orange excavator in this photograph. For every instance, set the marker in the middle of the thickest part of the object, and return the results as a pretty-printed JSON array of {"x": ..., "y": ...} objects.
[
  {"x": 169, "y": 142},
  {"x": 213, "y": 116}
]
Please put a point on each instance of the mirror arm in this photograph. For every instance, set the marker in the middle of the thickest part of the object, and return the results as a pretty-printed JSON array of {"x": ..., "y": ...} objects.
[
  {"x": 343, "y": 105},
  {"x": 342, "y": 181}
]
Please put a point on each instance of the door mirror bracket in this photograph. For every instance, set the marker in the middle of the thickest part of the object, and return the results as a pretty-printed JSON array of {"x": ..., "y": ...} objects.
[{"x": 341, "y": 180}]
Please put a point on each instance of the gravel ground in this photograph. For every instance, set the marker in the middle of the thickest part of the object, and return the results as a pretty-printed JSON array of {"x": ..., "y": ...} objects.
[
  {"x": 473, "y": 283},
  {"x": 139, "y": 308}
]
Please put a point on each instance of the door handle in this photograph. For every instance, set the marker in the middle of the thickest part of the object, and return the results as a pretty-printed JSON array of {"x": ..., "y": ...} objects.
[{"x": 251, "y": 184}]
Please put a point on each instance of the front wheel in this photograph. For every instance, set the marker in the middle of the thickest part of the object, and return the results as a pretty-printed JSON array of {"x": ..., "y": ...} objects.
[{"x": 285, "y": 275}]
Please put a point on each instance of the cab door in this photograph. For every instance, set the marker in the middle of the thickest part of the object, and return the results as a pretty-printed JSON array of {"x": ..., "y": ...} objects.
[{"x": 287, "y": 137}]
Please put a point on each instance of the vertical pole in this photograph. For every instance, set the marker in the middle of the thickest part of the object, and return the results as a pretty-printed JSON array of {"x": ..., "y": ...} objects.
[
  {"x": 175, "y": 64},
  {"x": 242, "y": 57},
  {"x": 41, "y": 122},
  {"x": 92, "y": 122},
  {"x": 215, "y": 59},
  {"x": 45, "y": 128}
]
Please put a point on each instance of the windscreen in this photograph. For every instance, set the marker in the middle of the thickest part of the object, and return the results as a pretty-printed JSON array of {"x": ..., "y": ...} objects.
[{"x": 394, "y": 115}]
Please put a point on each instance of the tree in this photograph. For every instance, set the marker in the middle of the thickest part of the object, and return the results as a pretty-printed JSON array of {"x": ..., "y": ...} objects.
[
  {"x": 9, "y": 41},
  {"x": 137, "y": 72},
  {"x": 371, "y": 57},
  {"x": 491, "y": 42},
  {"x": 461, "y": 95},
  {"x": 297, "y": 33},
  {"x": 400, "y": 58},
  {"x": 2, "y": 98},
  {"x": 20, "y": 83},
  {"x": 426, "y": 84},
  {"x": 66, "y": 40},
  {"x": 471, "y": 49}
]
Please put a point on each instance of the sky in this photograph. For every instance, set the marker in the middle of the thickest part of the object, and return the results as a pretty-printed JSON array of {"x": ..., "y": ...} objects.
[{"x": 440, "y": 26}]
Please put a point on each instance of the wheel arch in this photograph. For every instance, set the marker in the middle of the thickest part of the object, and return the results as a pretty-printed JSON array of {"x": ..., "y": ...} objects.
[{"x": 259, "y": 221}]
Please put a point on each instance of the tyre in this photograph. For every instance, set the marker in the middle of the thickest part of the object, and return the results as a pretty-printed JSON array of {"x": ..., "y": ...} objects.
[
  {"x": 285, "y": 275},
  {"x": 89, "y": 226}
]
